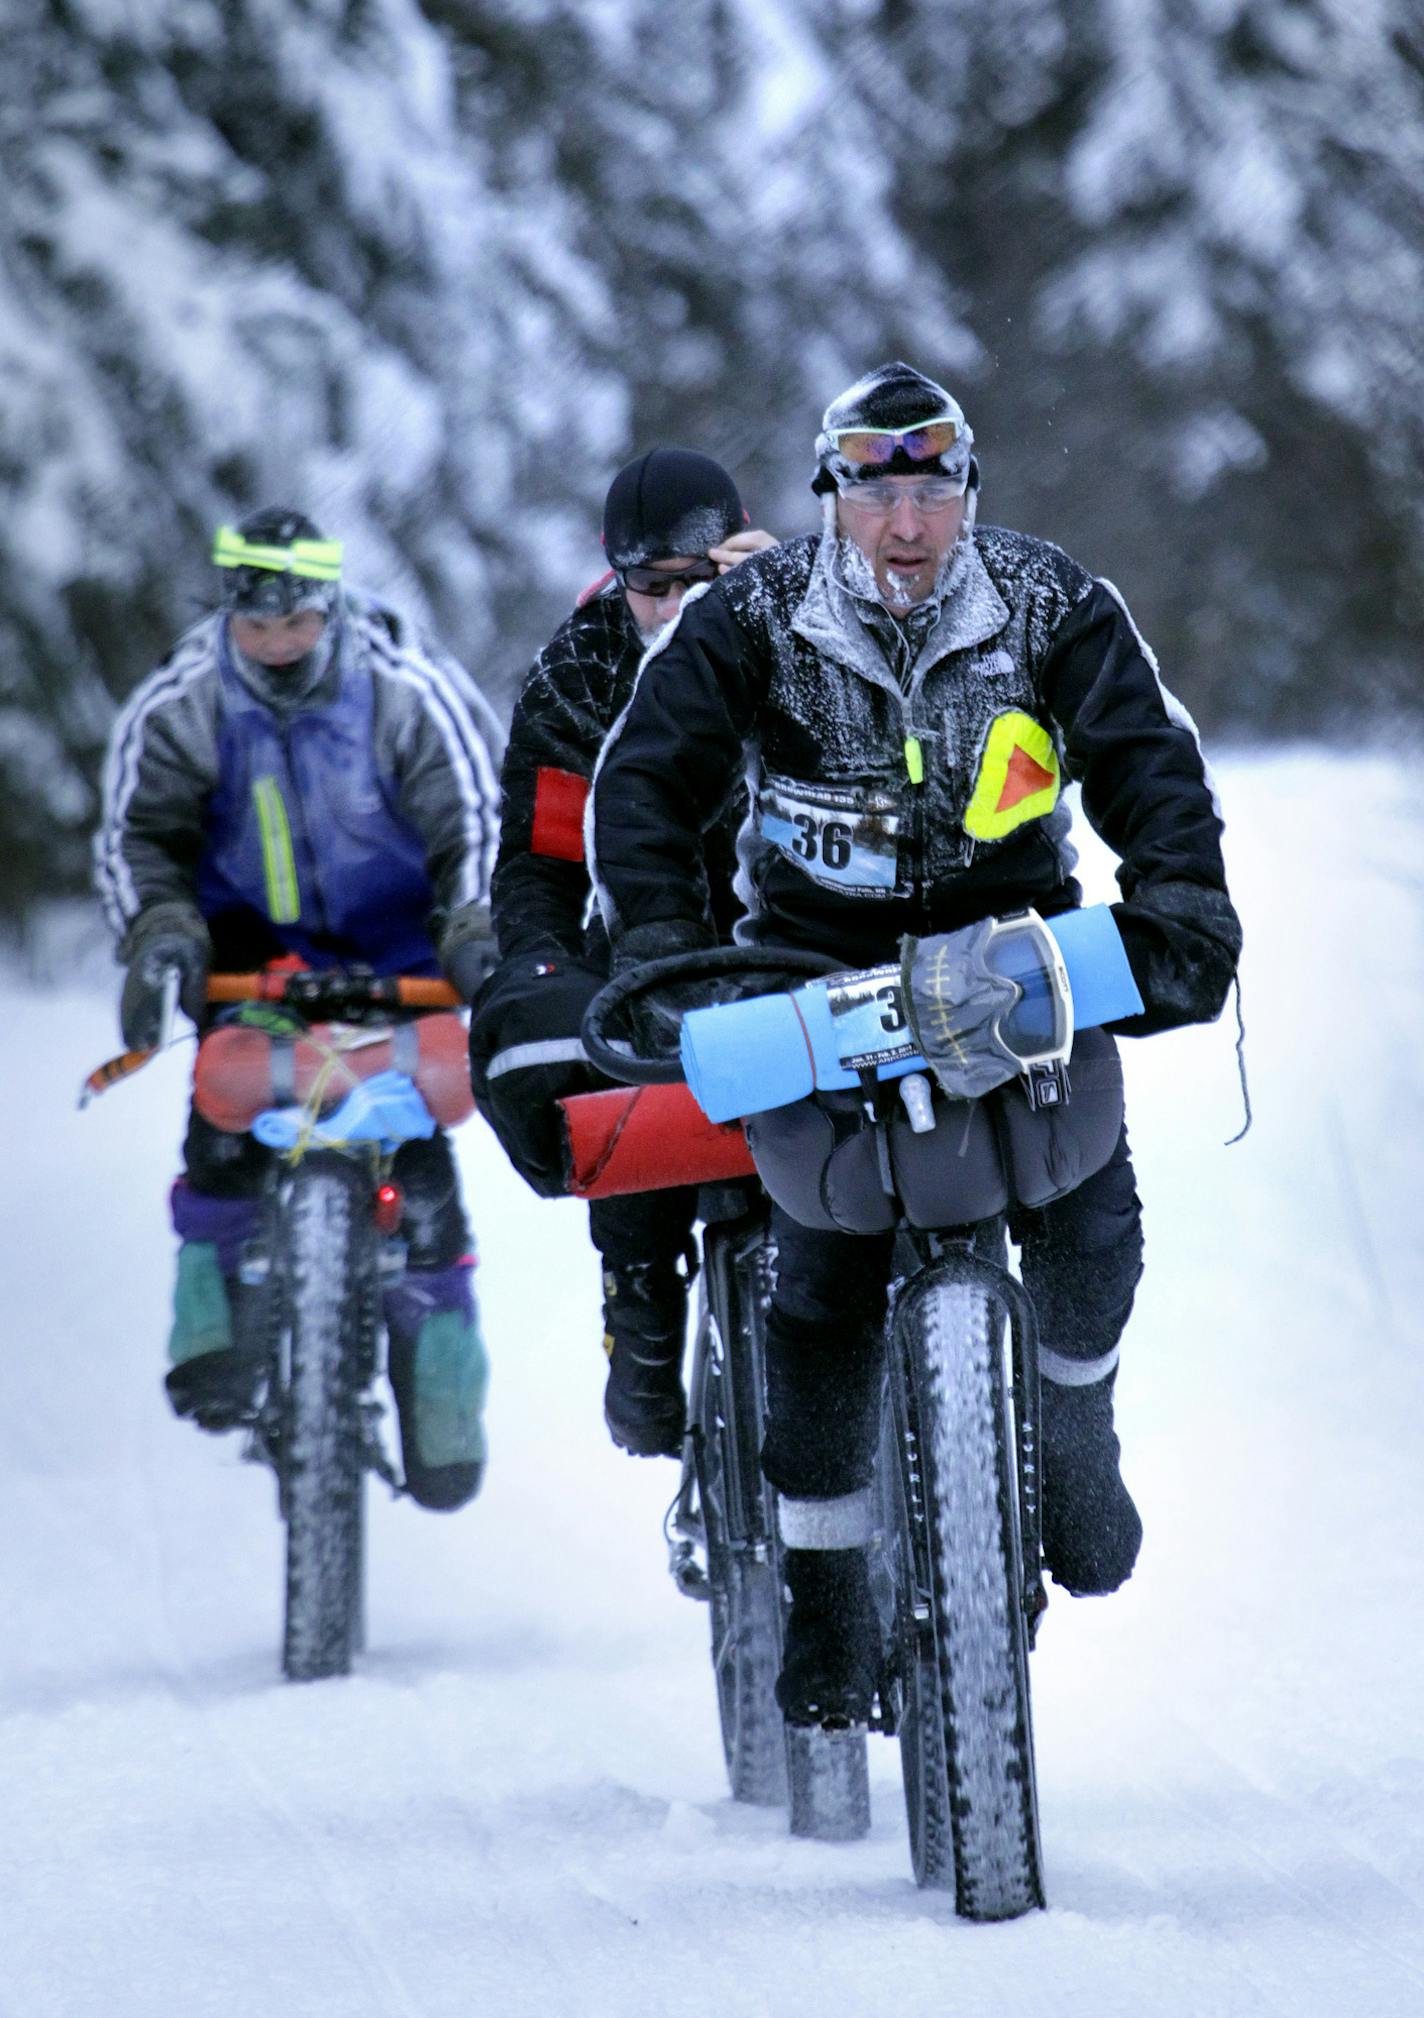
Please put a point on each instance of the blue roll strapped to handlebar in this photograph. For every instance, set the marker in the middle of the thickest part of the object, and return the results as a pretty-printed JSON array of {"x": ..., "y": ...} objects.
[
  {"x": 387, "y": 1109},
  {"x": 747, "y": 1057}
]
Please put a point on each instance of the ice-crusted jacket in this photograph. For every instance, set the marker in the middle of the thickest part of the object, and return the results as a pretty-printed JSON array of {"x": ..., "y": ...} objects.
[
  {"x": 352, "y": 824},
  {"x": 576, "y": 689},
  {"x": 908, "y": 777}
]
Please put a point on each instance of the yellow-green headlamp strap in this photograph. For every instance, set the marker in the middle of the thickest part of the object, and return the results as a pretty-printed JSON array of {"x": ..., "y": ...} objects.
[{"x": 313, "y": 560}]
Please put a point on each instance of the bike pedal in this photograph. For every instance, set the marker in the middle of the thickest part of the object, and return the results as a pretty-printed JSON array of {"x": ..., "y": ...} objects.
[{"x": 828, "y": 1783}]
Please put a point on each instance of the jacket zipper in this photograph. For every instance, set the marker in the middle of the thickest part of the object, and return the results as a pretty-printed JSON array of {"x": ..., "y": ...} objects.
[
  {"x": 915, "y": 771},
  {"x": 304, "y": 834}
]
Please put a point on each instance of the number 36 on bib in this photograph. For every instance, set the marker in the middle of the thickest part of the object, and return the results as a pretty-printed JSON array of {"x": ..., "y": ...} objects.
[{"x": 846, "y": 839}]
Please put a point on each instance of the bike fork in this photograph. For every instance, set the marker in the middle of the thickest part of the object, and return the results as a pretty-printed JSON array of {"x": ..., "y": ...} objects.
[{"x": 954, "y": 1256}]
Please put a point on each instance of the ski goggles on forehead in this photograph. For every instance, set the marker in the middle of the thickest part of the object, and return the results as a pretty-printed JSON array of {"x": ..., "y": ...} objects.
[
  {"x": 659, "y": 582},
  {"x": 313, "y": 560},
  {"x": 869, "y": 447}
]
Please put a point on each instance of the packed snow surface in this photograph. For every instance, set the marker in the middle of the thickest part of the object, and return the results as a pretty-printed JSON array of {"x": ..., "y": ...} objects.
[{"x": 517, "y": 1804}]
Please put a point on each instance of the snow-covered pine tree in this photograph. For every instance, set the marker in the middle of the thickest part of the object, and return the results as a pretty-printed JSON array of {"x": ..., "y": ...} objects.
[
  {"x": 429, "y": 270},
  {"x": 1188, "y": 235}
]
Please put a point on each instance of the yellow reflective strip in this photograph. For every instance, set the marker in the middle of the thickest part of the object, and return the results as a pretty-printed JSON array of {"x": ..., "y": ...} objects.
[
  {"x": 914, "y": 760},
  {"x": 1013, "y": 730},
  {"x": 318, "y": 559},
  {"x": 315, "y": 560},
  {"x": 284, "y": 897}
]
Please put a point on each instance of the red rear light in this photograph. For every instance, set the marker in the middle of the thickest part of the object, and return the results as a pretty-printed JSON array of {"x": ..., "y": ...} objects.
[{"x": 388, "y": 1207}]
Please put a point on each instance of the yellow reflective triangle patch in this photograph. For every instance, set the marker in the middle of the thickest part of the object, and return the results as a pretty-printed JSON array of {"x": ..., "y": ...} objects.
[{"x": 1018, "y": 777}]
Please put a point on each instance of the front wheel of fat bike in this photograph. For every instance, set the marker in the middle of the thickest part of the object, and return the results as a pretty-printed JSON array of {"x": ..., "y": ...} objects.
[
  {"x": 329, "y": 1309},
  {"x": 966, "y": 1737}
]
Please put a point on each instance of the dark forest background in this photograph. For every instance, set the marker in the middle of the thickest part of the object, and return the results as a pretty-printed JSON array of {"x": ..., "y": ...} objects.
[{"x": 434, "y": 268}]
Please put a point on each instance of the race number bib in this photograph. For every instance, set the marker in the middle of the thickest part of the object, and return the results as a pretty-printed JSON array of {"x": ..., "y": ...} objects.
[
  {"x": 845, "y": 839},
  {"x": 868, "y": 1019}
]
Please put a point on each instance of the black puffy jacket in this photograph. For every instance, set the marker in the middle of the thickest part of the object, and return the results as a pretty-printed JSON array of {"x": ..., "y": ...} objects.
[
  {"x": 575, "y": 691},
  {"x": 908, "y": 778}
]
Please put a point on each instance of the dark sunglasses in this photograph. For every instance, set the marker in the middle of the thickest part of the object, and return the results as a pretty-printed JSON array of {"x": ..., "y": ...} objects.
[{"x": 657, "y": 582}]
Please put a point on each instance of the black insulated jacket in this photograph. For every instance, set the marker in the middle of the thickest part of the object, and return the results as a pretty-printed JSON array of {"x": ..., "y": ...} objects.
[
  {"x": 576, "y": 689},
  {"x": 914, "y": 783}
]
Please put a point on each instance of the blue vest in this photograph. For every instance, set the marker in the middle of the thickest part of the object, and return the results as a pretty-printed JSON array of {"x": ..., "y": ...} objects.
[{"x": 304, "y": 846}]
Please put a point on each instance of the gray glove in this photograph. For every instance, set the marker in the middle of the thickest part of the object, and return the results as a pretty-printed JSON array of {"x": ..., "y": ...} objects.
[
  {"x": 167, "y": 936},
  {"x": 955, "y": 1001},
  {"x": 468, "y": 951}
]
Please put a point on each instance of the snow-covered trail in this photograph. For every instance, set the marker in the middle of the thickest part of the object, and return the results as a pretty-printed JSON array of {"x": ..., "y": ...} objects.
[{"x": 518, "y": 1805}]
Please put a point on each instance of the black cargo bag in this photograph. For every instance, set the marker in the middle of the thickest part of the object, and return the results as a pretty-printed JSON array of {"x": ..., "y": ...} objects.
[{"x": 821, "y": 1161}]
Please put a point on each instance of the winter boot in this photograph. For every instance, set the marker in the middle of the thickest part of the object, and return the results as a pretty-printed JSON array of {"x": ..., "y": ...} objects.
[
  {"x": 216, "y": 1390},
  {"x": 439, "y": 1374},
  {"x": 645, "y": 1326},
  {"x": 1091, "y": 1529},
  {"x": 831, "y": 1661},
  {"x": 214, "y": 1380}
]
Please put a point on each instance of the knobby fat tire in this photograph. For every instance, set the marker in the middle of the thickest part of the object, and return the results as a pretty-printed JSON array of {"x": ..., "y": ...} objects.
[
  {"x": 968, "y": 1766},
  {"x": 327, "y": 1299}
]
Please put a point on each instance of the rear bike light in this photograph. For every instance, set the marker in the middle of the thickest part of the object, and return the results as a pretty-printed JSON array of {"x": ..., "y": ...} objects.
[{"x": 387, "y": 1207}]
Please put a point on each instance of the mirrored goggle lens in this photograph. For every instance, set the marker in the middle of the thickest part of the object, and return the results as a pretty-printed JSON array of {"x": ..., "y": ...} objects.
[
  {"x": 658, "y": 581},
  {"x": 871, "y": 446},
  {"x": 1037, "y": 1026}
]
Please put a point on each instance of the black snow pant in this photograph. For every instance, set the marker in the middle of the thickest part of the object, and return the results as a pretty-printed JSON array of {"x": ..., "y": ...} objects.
[
  {"x": 645, "y": 1226},
  {"x": 1080, "y": 1259}
]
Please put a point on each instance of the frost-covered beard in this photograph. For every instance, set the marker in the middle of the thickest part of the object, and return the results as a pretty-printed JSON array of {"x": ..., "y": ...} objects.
[
  {"x": 648, "y": 634},
  {"x": 854, "y": 569},
  {"x": 856, "y": 572}
]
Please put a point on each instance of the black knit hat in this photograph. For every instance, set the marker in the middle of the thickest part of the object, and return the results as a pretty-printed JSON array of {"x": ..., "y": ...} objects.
[
  {"x": 669, "y": 501},
  {"x": 892, "y": 396}
]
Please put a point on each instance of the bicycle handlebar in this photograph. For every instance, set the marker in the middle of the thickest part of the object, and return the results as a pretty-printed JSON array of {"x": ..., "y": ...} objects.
[
  {"x": 706, "y": 964},
  {"x": 305, "y": 986},
  {"x": 302, "y": 988}
]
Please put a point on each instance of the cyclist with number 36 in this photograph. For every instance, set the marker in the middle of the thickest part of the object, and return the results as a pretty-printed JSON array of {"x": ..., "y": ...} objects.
[{"x": 908, "y": 694}]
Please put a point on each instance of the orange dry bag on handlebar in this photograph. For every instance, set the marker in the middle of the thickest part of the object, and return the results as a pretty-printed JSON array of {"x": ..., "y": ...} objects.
[{"x": 239, "y": 1072}]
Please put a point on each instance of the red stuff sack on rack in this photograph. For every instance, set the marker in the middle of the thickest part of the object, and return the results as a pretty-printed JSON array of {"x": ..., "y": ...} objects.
[{"x": 239, "y": 1072}]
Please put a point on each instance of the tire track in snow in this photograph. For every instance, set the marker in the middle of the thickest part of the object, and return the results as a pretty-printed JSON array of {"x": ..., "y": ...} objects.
[{"x": 393, "y": 1999}]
